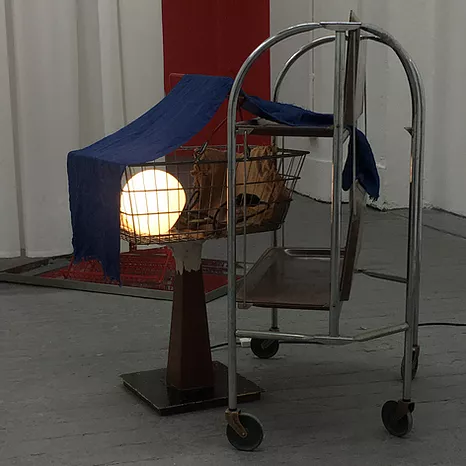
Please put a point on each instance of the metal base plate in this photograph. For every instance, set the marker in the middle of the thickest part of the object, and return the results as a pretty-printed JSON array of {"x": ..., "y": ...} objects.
[{"x": 151, "y": 387}]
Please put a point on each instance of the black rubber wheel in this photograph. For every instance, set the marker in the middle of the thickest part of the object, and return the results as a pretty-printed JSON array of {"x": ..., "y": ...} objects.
[
  {"x": 396, "y": 427},
  {"x": 415, "y": 366},
  {"x": 264, "y": 349},
  {"x": 255, "y": 433}
]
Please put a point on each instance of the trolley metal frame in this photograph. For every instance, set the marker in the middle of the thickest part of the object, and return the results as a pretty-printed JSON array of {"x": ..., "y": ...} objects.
[{"x": 398, "y": 412}]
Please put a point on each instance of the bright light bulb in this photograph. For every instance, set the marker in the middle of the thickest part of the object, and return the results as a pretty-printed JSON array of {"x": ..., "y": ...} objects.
[{"x": 151, "y": 203}]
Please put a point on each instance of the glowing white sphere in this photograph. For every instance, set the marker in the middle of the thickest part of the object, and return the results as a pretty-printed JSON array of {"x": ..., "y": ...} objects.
[{"x": 151, "y": 203}]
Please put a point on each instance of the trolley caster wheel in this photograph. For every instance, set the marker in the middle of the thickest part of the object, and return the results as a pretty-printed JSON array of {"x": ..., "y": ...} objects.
[
  {"x": 264, "y": 349},
  {"x": 254, "y": 433},
  {"x": 415, "y": 367},
  {"x": 396, "y": 425}
]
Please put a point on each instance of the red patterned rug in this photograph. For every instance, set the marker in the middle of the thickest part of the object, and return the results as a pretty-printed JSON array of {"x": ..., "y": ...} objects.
[{"x": 149, "y": 268}]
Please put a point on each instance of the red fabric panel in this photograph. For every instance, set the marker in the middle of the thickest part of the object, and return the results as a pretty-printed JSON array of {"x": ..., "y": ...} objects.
[{"x": 215, "y": 37}]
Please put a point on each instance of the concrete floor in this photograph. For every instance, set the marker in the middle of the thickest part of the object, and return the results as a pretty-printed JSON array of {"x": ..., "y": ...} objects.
[{"x": 61, "y": 402}]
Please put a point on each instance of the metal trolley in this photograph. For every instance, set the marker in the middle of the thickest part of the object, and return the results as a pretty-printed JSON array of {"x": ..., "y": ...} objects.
[{"x": 329, "y": 272}]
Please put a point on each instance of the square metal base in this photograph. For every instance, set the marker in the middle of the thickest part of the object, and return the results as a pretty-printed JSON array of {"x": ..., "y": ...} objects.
[{"x": 151, "y": 387}]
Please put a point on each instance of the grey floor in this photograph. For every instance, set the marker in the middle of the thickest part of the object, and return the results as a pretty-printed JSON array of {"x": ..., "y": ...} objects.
[{"x": 61, "y": 402}]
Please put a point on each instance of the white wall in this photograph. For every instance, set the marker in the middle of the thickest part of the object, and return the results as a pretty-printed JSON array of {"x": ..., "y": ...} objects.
[
  {"x": 70, "y": 72},
  {"x": 432, "y": 32},
  {"x": 447, "y": 164},
  {"x": 298, "y": 86},
  {"x": 9, "y": 217}
]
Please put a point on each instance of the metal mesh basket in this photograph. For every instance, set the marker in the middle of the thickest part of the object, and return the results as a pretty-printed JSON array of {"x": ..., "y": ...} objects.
[{"x": 183, "y": 197}]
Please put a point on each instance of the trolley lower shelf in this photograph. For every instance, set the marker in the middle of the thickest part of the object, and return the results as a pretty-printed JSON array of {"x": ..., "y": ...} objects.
[{"x": 293, "y": 278}]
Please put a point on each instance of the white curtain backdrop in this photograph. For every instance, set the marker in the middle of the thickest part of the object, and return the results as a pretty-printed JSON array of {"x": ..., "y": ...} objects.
[{"x": 71, "y": 71}]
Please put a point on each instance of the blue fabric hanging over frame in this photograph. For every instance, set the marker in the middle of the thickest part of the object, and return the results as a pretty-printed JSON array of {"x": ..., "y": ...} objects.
[
  {"x": 94, "y": 173},
  {"x": 366, "y": 169}
]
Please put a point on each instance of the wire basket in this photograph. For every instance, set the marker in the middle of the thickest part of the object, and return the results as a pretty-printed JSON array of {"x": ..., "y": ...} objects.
[{"x": 184, "y": 196}]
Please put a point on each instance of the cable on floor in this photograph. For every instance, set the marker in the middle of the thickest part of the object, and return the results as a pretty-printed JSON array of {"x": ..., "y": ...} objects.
[
  {"x": 442, "y": 324},
  {"x": 220, "y": 345}
]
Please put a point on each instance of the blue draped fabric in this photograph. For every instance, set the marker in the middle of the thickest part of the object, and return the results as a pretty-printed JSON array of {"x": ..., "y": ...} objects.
[{"x": 94, "y": 173}]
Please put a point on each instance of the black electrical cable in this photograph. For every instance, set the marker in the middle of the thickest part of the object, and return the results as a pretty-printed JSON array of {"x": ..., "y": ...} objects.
[
  {"x": 220, "y": 345},
  {"x": 423, "y": 324},
  {"x": 442, "y": 324}
]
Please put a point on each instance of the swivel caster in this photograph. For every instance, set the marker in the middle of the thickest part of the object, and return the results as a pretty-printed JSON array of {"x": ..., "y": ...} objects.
[
  {"x": 415, "y": 367},
  {"x": 264, "y": 349},
  {"x": 247, "y": 433},
  {"x": 397, "y": 417}
]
